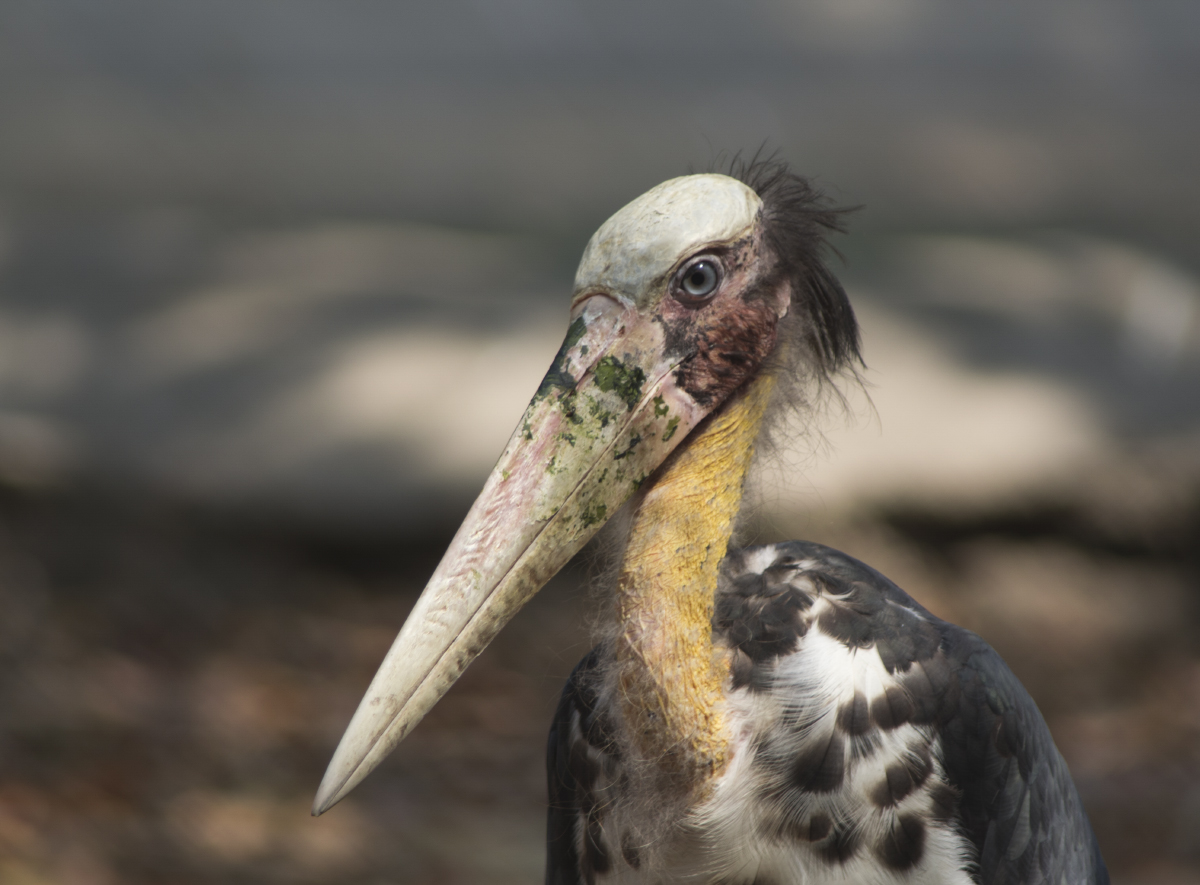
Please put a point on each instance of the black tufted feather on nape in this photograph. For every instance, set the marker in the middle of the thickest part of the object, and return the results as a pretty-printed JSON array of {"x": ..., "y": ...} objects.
[{"x": 798, "y": 221}]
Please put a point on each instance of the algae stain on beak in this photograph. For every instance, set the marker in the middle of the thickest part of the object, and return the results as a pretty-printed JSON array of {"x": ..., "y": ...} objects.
[
  {"x": 624, "y": 379},
  {"x": 558, "y": 377}
]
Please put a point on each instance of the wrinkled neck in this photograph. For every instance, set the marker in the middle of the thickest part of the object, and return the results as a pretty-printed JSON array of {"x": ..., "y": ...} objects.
[{"x": 670, "y": 675}]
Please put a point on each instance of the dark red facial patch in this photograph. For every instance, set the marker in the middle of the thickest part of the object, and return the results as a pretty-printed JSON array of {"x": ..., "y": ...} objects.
[{"x": 724, "y": 342}]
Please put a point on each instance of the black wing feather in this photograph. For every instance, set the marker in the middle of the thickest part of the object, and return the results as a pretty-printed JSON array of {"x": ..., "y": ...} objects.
[
  {"x": 1019, "y": 806},
  {"x": 568, "y": 774}
]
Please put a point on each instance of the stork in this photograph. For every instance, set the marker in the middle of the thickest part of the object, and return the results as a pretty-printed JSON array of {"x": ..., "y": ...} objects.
[{"x": 769, "y": 715}]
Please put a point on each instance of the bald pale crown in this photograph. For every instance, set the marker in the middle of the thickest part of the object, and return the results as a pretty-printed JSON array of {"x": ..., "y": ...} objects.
[{"x": 633, "y": 251}]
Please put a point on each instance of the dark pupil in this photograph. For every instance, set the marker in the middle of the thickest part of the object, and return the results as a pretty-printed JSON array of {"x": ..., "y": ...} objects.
[{"x": 701, "y": 279}]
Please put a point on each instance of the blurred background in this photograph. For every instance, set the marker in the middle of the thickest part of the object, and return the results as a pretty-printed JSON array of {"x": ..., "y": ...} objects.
[{"x": 276, "y": 280}]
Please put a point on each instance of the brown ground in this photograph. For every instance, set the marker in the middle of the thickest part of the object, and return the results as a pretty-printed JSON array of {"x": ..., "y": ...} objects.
[{"x": 173, "y": 684}]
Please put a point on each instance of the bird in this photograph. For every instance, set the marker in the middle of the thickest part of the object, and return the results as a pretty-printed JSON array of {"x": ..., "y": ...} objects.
[{"x": 763, "y": 715}]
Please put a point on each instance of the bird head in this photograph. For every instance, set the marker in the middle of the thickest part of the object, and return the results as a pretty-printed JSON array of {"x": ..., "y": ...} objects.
[{"x": 681, "y": 298}]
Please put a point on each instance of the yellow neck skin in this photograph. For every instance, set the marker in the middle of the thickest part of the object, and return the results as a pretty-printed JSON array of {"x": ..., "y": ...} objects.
[{"x": 670, "y": 674}]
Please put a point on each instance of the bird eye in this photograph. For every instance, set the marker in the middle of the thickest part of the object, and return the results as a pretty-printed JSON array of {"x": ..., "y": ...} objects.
[{"x": 699, "y": 279}]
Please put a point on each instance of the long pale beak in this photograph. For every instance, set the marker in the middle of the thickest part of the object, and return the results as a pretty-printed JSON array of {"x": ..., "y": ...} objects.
[{"x": 606, "y": 415}]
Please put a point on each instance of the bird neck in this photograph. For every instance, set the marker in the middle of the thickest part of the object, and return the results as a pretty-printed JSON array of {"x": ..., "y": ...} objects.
[{"x": 670, "y": 675}]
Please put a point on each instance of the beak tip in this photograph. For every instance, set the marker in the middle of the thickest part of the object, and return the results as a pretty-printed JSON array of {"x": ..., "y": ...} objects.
[
  {"x": 328, "y": 795},
  {"x": 367, "y": 741},
  {"x": 335, "y": 785},
  {"x": 322, "y": 802}
]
